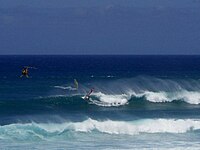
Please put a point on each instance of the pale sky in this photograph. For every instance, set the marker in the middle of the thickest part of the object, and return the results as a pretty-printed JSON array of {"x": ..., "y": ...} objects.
[{"x": 99, "y": 27}]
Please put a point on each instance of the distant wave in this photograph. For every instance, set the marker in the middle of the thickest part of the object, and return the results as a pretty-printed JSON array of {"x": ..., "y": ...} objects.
[
  {"x": 66, "y": 88},
  {"x": 106, "y": 76},
  {"x": 109, "y": 76},
  {"x": 41, "y": 131}
]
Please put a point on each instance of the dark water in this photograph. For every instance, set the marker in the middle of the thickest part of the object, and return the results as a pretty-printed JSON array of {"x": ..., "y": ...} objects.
[{"x": 134, "y": 97}]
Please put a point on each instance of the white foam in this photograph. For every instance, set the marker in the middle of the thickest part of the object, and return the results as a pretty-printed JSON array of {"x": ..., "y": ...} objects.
[
  {"x": 51, "y": 96},
  {"x": 140, "y": 126},
  {"x": 109, "y": 76},
  {"x": 111, "y": 100},
  {"x": 156, "y": 96},
  {"x": 66, "y": 88},
  {"x": 191, "y": 97},
  {"x": 150, "y": 126}
]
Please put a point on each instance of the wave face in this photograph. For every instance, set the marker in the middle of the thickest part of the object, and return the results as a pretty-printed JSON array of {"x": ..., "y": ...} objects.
[{"x": 39, "y": 131}]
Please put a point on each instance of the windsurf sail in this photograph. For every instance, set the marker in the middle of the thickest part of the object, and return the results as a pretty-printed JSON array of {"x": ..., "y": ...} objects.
[
  {"x": 76, "y": 83},
  {"x": 87, "y": 96}
]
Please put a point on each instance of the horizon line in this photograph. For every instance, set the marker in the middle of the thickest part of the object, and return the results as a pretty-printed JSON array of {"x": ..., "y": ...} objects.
[{"x": 99, "y": 54}]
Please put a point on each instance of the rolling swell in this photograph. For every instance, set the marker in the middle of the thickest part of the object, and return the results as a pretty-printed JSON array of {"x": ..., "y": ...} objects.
[{"x": 42, "y": 104}]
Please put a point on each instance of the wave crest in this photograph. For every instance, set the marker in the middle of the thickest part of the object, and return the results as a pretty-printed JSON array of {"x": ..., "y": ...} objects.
[{"x": 191, "y": 97}]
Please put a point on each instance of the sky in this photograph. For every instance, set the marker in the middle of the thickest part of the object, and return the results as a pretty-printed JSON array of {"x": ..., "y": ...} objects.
[{"x": 77, "y": 27}]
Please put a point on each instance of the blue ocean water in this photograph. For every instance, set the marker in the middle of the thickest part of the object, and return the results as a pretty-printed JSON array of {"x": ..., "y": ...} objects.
[{"x": 139, "y": 102}]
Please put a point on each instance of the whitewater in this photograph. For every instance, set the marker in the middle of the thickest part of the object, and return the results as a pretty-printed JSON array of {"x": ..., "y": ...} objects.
[{"x": 35, "y": 131}]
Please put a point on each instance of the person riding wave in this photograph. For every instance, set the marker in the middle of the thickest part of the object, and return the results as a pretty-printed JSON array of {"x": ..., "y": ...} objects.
[{"x": 87, "y": 96}]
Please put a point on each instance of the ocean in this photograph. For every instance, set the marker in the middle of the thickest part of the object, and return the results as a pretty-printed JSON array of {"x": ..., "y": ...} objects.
[{"x": 139, "y": 102}]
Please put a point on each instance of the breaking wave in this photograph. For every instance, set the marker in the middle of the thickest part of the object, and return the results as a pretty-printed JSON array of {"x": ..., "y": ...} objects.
[
  {"x": 189, "y": 97},
  {"x": 138, "y": 126},
  {"x": 110, "y": 100},
  {"x": 129, "y": 100},
  {"x": 41, "y": 131},
  {"x": 123, "y": 91}
]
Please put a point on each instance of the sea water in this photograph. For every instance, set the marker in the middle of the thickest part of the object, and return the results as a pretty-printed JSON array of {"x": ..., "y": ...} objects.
[{"x": 139, "y": 102}]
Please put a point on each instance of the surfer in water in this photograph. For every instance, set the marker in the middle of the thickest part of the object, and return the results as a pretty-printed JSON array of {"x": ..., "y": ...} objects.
[{"x": 87, "y": 96}]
